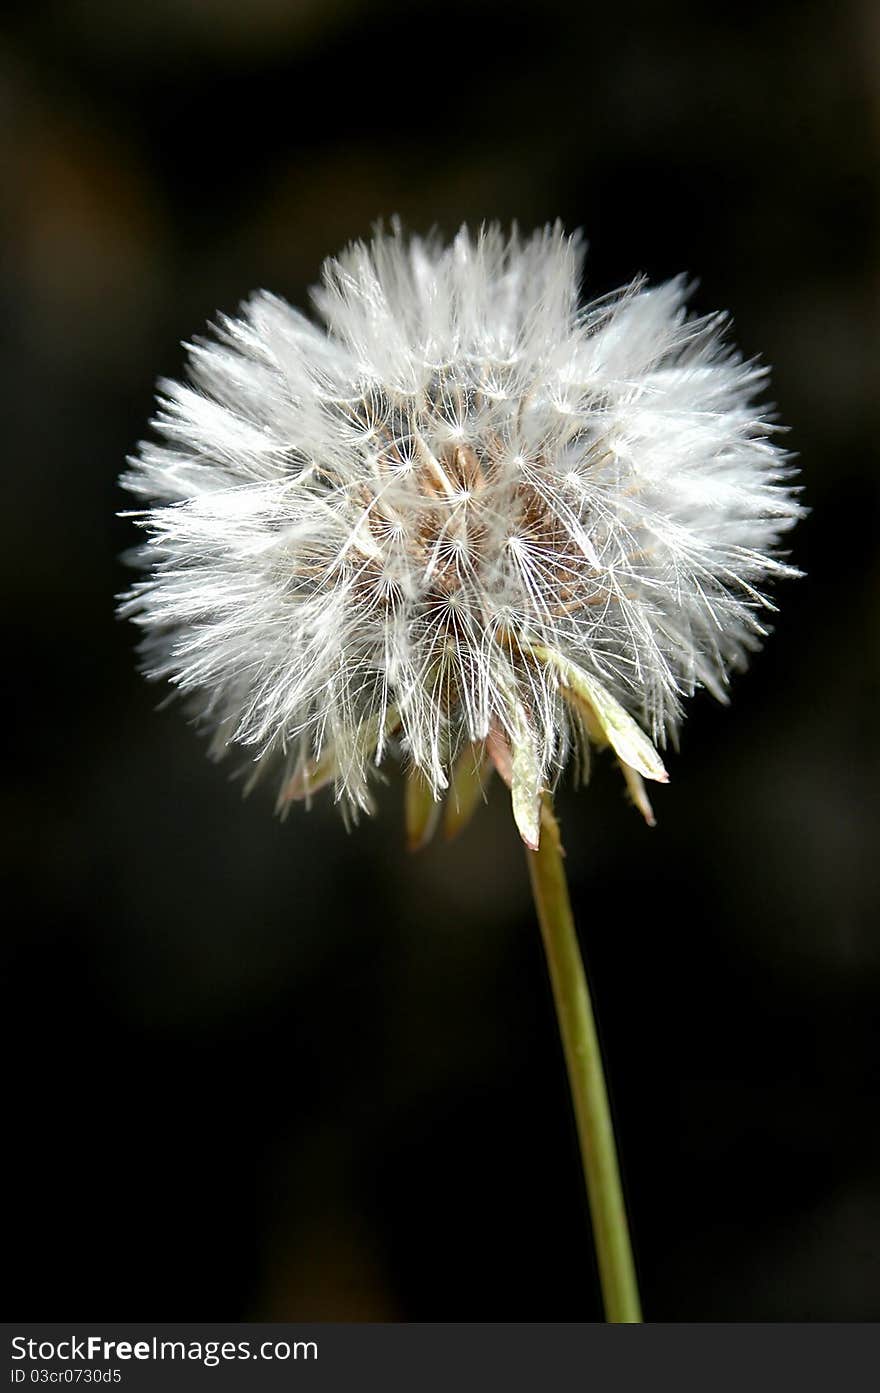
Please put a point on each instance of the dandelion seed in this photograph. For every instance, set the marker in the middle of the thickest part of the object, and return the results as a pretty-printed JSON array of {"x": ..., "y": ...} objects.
[{"x": 462, "y": 518}]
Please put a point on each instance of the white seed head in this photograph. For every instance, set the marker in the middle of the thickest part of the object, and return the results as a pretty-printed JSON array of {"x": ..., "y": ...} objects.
[{"x": 462, "y": 510}]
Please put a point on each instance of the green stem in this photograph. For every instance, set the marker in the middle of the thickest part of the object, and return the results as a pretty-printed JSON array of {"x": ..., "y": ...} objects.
[{"x": 585, "y": 1076}]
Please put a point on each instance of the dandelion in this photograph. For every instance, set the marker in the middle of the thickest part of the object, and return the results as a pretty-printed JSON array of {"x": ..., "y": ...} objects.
[{"x": 465, "y": 520}]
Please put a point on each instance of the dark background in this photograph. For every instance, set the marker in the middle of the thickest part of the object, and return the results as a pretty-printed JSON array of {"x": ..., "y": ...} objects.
[{"x": 277, "y": 1071}]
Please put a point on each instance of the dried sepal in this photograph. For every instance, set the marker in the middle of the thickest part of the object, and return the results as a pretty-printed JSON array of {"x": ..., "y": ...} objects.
[
  {"x": 627, "y": 739},
  {"x": 638, "y": 796},
  {"x": 467, "y": 785},
  {"x": 525, "y": 791},
  {"x": 421, "y": 810},
  {"x": 518, "y": 765},
  {"x": 311, "y": 775},
  {"x": 599, "y": 708}
]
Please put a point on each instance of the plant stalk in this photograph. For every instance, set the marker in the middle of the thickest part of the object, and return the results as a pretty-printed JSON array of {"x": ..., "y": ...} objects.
[{"x": 586, "y": 1078}]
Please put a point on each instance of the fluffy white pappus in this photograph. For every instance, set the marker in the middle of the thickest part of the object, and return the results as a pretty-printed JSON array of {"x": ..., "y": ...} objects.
[{"x": 461, "y": 513}]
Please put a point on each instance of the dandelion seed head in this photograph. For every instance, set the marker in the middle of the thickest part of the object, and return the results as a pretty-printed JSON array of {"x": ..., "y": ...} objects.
[{"x": 458, "y": 507}]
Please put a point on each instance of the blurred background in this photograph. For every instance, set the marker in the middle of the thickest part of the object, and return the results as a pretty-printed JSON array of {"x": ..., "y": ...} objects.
[{"x": 265, "y": 1071}]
